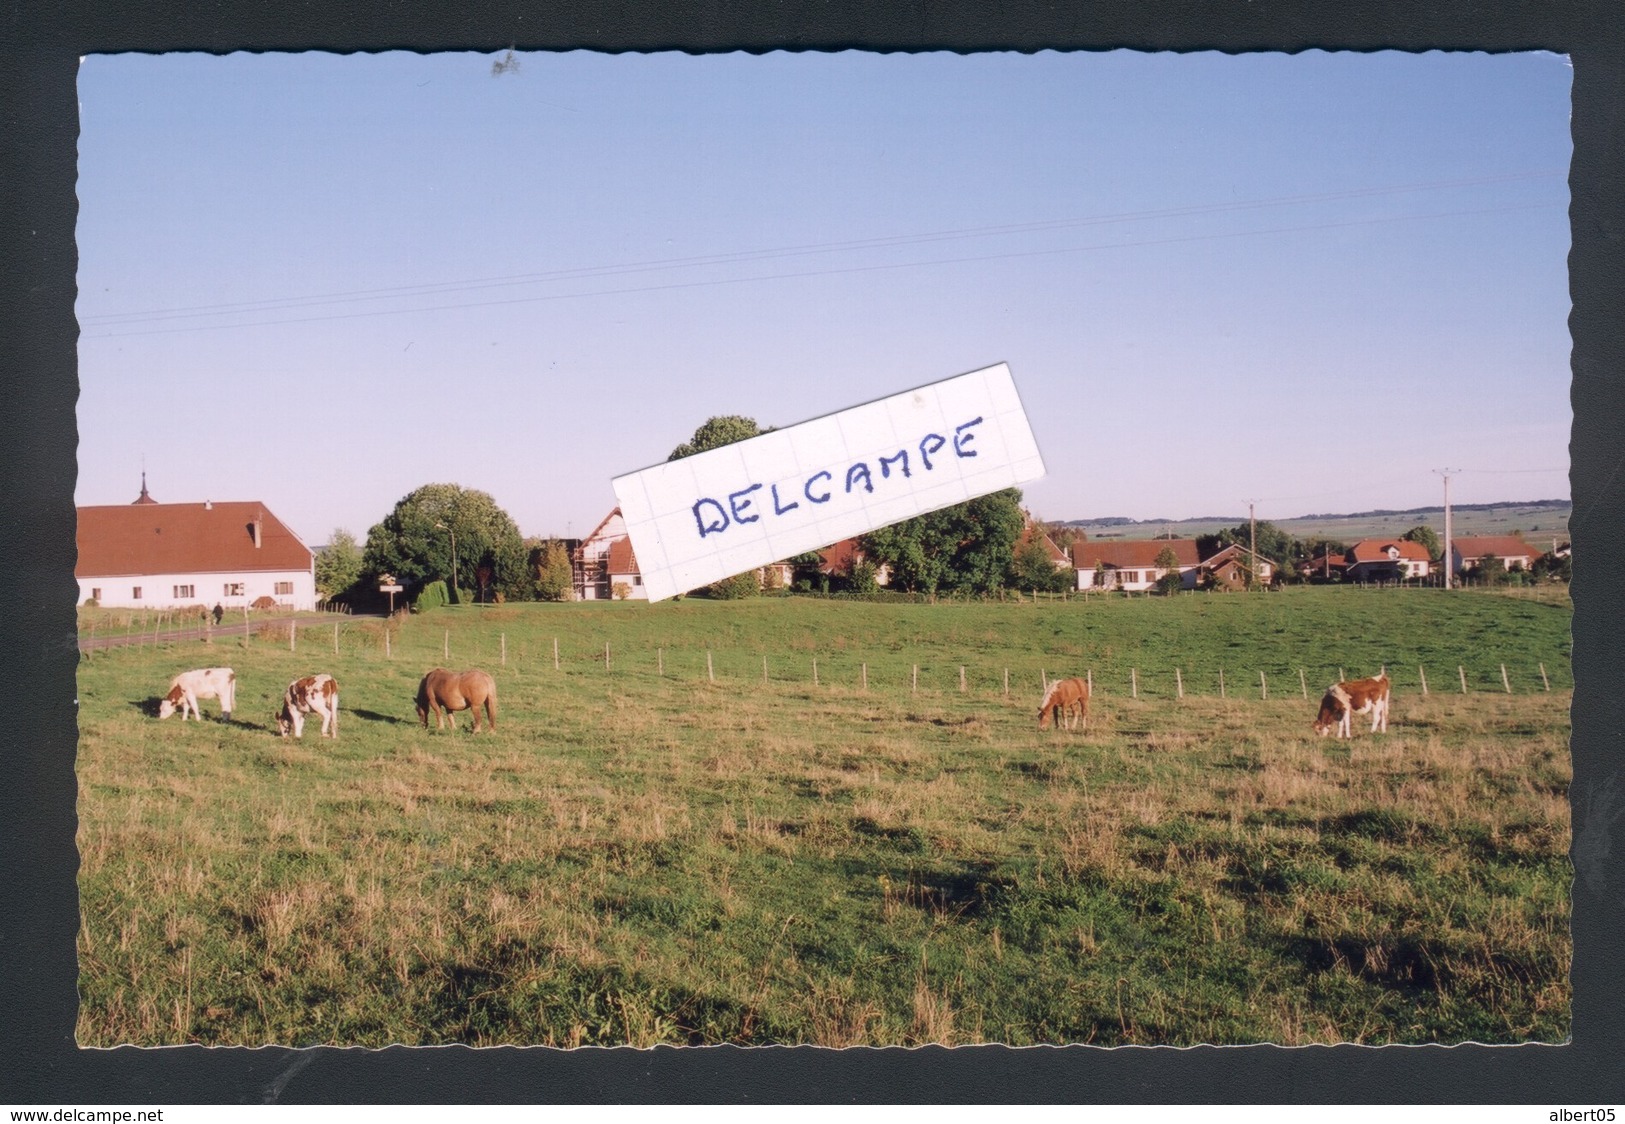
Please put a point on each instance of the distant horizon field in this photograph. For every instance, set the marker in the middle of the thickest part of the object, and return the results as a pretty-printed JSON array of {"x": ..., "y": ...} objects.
[{"x": 1536, "y": 522}]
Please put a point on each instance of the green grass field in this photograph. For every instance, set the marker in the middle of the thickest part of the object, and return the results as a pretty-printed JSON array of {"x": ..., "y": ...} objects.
[{"x": 649, "y": 852}]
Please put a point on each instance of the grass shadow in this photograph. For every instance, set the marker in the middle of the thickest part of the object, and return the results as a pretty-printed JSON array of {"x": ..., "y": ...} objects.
[{"x": 374, "y": 716}]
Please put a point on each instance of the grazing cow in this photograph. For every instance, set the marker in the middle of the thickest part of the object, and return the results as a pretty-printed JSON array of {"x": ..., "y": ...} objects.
[
  {"x": 314, "y": 694},
  {"x": 1343, "y": 701},
  {"x": 445, "y": 691},
  {"x": 204, "y": 683},
  {"x": 1065, "y": 703}
]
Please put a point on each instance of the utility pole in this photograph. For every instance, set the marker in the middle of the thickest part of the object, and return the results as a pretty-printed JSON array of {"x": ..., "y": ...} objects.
[
  {"x": 1252, "y": 543},
  {"x": 1447, "y": 473}
]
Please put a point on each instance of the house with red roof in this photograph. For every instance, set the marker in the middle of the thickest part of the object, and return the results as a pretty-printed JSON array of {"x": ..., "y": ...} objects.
[
  {"x": 1465, "y": 552},
  {"x": 605, "y": 560},
  {"x": 1386, "y": 560},
  {"x": 151, "y": 555},
  {"x": 1132, "y": 565}
]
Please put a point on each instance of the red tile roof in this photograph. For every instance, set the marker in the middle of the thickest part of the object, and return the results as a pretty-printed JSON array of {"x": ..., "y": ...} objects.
[
  {"x": 1376, "y": 550},
  {"x": 184, "y": 538},
  {"x": 1502, "y": 546},
  {"x": 837, "y": 558},
  {"x": 1139, "y": 552},
  {"x": 1031, "y": 533},
  {"x": 621, "y": 559}
]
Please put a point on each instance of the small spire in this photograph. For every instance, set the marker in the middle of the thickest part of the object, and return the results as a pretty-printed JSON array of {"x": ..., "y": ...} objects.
[{"x": 143, "y": 497}]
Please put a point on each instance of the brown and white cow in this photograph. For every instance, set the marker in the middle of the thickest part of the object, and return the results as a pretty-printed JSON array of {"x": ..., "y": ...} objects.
[
  {"x": 204, "y": 683},
  {"x": 1343, "y": 701},
  {"x": 1066, "y": 703},
  {"x": 314, "y": 694}
]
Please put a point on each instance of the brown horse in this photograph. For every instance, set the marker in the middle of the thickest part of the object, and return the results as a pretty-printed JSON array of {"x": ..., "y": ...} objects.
[
  {"x": 1066, "y": 698},
  {"x": 445, "y": 691}
]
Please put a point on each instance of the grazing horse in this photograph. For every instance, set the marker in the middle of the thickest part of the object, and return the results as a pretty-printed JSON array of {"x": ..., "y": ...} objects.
[
  {"x": 445, "y": 691},
  {"x": 314, "y": 694},
  {"x": 1343, "y": 701},
  {"x": 1065, "y": 703}
]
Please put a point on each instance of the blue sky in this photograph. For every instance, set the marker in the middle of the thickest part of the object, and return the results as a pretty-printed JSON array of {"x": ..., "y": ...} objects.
[{"x": 1307, "y": 281}]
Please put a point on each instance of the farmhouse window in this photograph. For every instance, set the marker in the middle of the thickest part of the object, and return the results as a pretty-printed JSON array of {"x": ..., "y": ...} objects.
[
  {"x": 183, "y": 591},
  {"x": 284, "y": 589},
  {"x": 135, "y": 591},
  {"x": 234, "y": 589},
  {"x": 95, "y": 593}
]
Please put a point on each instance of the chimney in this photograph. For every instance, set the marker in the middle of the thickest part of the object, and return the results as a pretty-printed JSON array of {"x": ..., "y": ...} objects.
[{"x": 254, "y": 530}]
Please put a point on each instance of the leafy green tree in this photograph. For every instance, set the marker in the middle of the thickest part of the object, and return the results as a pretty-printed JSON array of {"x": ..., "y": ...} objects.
[
  {"x": 968, "y": 547},
  {"x": 1273, "y": 543},
  {"x": 717, "y": 432},
  {"x": 733, "y": 589},
  {"x": 338, "y": 565},
  {"x": 1033, "y": 569},
  {"x": 1552, "y": 567},
  {"x": 414, "y": 541},
  {"x": 550, "y": 563},
  {"x": 1422, "y": 533},
  {"x": 1491, "y": 570},
  {"x": 1168, "y": 562}
]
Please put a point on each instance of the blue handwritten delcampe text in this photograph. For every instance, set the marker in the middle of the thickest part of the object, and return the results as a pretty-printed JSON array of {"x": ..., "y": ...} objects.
[{"x": 712, "y": 516}]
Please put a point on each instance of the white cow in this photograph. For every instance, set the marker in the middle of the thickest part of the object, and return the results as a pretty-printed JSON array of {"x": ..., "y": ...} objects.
[
  {"x": 314, "y": 694},
  {"x": 204, "y": 683}
]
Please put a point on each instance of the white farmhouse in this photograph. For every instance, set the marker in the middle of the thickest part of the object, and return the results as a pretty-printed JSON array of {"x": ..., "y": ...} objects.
[{"x": 151, "y": 555}]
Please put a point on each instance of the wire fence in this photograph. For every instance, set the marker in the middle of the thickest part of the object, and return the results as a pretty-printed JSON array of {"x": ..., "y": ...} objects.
[{"x": 414, "y": 641}]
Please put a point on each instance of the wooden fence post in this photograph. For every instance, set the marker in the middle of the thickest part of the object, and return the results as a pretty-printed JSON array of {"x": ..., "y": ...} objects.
[
  {"x": 1303, "y": 684},
  {"x": 764, "y": 669},
  {"x": 961, "y": 678},
  {"x": 1007, "y": 682},
  {"x": 606, "y": 655},
  {"x": 1543, "y": 679},
  {"x": 1422, "y": 671},
  {"x": 914, "y": 681},
  {"x": 445, "y": 644},
  {"x": 555, "y": 653},
  {"x": 1133, "y": 683},
  {"x": 815, "y": 671},
  {"x": 1179, "y": 683},
  {"x": 660, "y": 661},
  {"x": 1504, "y": 681},
  {"x": 1263, "y": 686},
  {"x": 710, "y": 670},
  {"x": 865, "y": 675},
  {"x": 504, "y": 649},
  {"x": 1221, "y": 682},
  {"x": 386, "y": 642},
  {"x": 1089, "y": 681},
  {"x": 1341, "y": 678},
  {"x": 1463, "y": 675}
]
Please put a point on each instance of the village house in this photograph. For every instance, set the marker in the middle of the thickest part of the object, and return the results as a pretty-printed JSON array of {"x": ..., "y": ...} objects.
[
  {"x": 1386, "y": 560},
  {"x": 1511, "y": 549},
  {"x": 605, "y": 560},
  {"x": 605, "y": 565},
  {"x": 1131, "y": 566},
  {"x": 151, "y": 555}
]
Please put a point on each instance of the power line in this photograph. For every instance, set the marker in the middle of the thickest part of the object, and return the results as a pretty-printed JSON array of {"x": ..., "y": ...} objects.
[
  {"x": 676, "y": 285},
  {"x": 889, "y": 241}
]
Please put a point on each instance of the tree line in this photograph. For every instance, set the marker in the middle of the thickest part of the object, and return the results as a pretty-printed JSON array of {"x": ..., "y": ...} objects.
[{"x": 444, "y": 533}]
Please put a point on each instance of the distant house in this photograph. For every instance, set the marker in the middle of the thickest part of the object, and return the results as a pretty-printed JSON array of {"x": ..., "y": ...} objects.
[
  {"x": 1034, "y": 532},
  {"x": 1386, "y": 560},
  {"x": 838, "y": 559},
  {"x": 1131, "y": 565},
  {"x": 1232, "y": 567},
  {"x": 604, "y": 560},
  {"x": 151, "y": 555},
  {"x": 1510, "y": 549}
]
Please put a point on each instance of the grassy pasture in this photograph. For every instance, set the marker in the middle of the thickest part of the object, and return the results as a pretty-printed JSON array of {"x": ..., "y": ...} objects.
[{"x": 636, "y": 857}]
